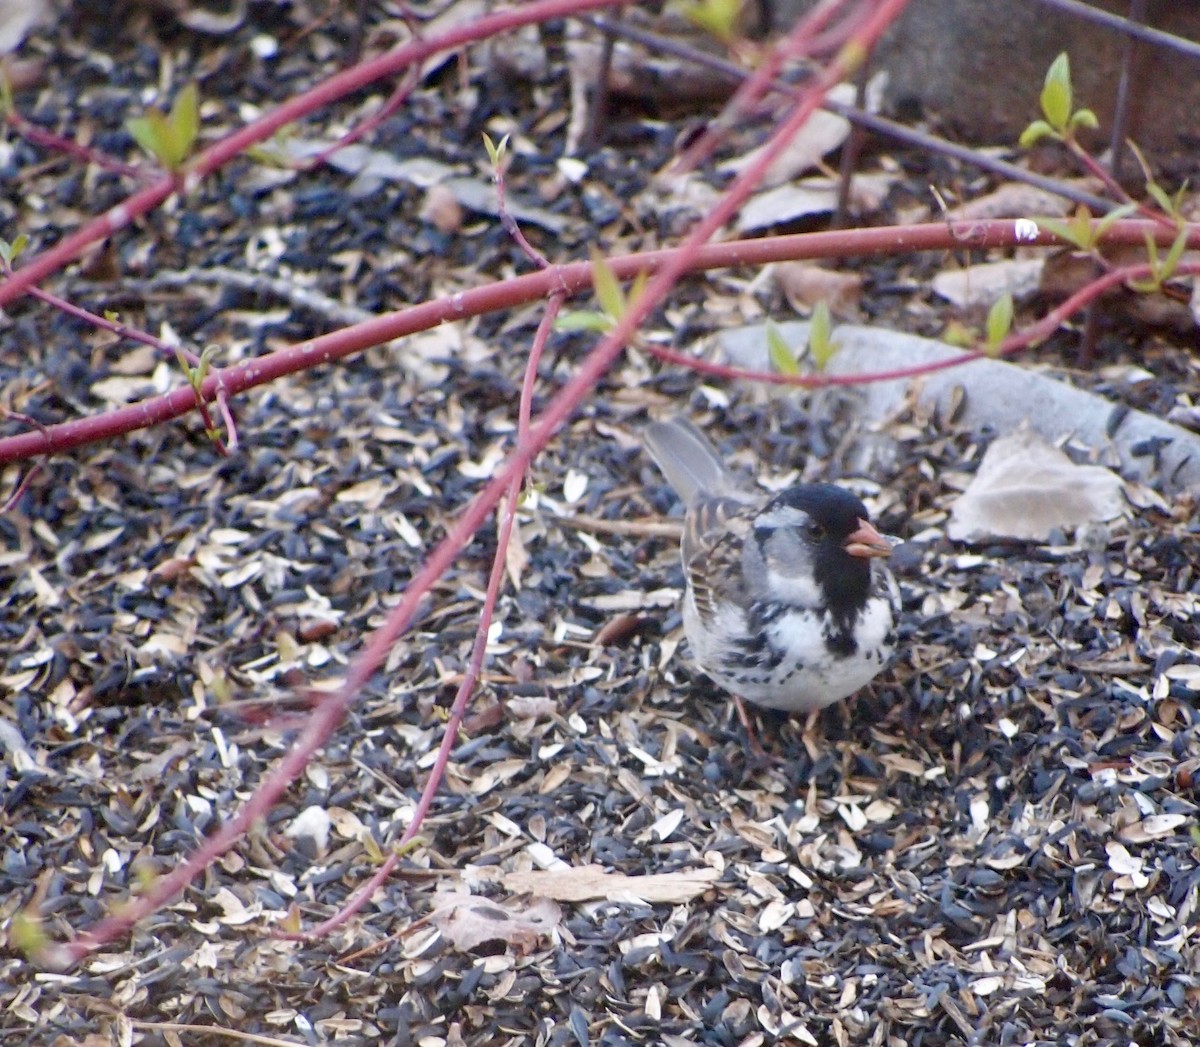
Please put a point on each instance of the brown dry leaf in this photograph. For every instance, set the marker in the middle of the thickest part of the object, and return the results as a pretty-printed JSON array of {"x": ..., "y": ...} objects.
[
  {"x": 516, "y": 559},
  {"x": 1026, "y": 487},
  {"x": 1174, "y": 308},
  {"x": 822, "y": 134},
  {"x": 589, "y": 883},
  {"x": 441, "y": 209},
  {"x": 467, "y": 922},
  {"x": 805, "y": 284},
  {"x": 531, "y": 707}
]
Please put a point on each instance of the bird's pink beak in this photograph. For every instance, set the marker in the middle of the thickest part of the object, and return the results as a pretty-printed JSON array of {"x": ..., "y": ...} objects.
[{"x": 865, "y": 541}]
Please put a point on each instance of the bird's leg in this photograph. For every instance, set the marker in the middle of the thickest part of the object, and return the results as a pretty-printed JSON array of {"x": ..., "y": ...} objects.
[{"x": 756, "y": 750}]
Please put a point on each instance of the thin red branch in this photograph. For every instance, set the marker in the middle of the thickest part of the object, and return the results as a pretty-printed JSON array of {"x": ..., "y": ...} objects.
[
  {"x": 755, "y": 86},
  {"x": 332, "y": 709},
  {"x": 47, "y": 139},
  {"x": 467, "y": 685},
  {"x": 568, "y": 279},
  {"x": 1022, "y": 340},
  {"x": 325, "y": 93},
  {"x": 395, "y": 100},
  {"x": 104, "y": 323},
  {"x": 22, "y": 487}
]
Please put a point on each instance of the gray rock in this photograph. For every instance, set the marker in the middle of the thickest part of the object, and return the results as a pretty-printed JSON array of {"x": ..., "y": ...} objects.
[{"x": 999, "y": 396}]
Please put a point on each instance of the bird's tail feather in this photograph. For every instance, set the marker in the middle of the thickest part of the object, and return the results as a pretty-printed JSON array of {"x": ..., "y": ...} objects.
[{"x": 689, "y": 462}]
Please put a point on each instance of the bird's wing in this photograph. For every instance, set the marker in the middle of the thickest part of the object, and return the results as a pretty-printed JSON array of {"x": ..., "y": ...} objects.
[{"x": 714, "y": 536}]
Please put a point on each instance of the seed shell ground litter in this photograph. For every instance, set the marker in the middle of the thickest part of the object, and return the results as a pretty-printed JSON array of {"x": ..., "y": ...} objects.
[{"x": 995, "y": 844}]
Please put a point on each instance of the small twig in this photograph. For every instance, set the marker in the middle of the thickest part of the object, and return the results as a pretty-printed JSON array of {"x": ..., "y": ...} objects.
[
  {"x": 1144, "y": 33},
  {"x": 397, "y": 98},
  {"x": 851, "y": 149},
  {"x": 31, "y": 132},
  {"x": 509, "y": 223},
  {"x": 222, "y": 400},
  {"x": 216, "y": 1030},
  {"x": 104, "y": 323},
  {"x": 598, "y": 107},
  {"x": 475, "y": 664},
  {"x": 284, "y": 289},
  {"x": 634, "y": 528},
  {"x": 22, "y": 487},
  {"x": 872, "y": 122},
  {"x": 1030, "y": 336},
  {"x": 1129, "y": 55},
  {"x": 754, "y": 86}
]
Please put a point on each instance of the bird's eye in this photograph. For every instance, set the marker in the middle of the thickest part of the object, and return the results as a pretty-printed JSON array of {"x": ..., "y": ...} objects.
[{"x": 814, "y": 531}]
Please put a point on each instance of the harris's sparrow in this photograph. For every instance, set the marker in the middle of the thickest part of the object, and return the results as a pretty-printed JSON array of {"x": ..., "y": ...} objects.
[{"x": 787, "y": 604}]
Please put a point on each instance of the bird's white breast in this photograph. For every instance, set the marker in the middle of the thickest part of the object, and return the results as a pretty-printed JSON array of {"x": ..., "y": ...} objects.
[{"x": 799, "y": 672}]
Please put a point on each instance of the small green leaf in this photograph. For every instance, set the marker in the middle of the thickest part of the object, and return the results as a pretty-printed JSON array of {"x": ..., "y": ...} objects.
[
  {"x": 169, "y": 138},
  {"x": 607, "y": 287},
  {"x": 1107, "y": 221},
  {"x": 145, "y": 876},
  {"x": 1171, "y": 262},
  {"x": 821, "y": 347},
  {"x": 959, "y": 334},
  {"x": 371, "y": 846},
  {"x": 496, "y": 153},
  {"x": 26, "y": 933},
  {"x": 1056, "y": 93},
  {"x": 718, "y": 17},
  {"x": 148, "y": 131},
  {"x": 582, "y": 320},
  {"x": 1035, "y": 132},
  {"x": 853, "y": 56},
  {"x": 783, "y": 360},
  {"x": 1063, "y": 230},
  {"x": 999, "y": 323},
  {"x": 637, "y": 287},
  {"x": 1084, "y": 118},
  {"x": 184, "y": 122},
  {"x": 1160, "y": 197},
  {"x": 200, "y": 372},
  {"x": 1081, "y": 226},
  {"x": 1152, "y": 259}
]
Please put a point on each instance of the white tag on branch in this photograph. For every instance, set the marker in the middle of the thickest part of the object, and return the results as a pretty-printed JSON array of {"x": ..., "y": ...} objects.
[{"x": 1026, "y": 487}]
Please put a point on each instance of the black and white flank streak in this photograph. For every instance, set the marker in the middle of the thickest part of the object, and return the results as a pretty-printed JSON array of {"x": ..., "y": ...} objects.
[{"x": 788, "y": 603}]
